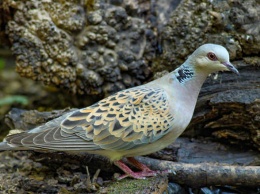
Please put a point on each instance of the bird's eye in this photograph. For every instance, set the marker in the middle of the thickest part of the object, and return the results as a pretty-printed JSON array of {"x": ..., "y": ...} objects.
[{"x": 212, "y": 56}]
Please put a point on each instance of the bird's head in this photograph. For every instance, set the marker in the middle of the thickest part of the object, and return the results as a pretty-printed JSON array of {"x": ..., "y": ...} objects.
[{"x": 211, "y": 58}]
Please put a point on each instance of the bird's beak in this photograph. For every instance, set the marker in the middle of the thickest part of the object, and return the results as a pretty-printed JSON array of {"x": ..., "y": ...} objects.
[{"x": 230, "y": 67}]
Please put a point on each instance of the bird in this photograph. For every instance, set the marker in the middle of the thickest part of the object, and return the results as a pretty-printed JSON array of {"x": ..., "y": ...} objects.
[{"x": 132, "y": 122}]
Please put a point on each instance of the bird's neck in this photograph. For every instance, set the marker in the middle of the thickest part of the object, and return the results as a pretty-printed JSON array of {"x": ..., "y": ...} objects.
[
  {"x": 187, "y": 82},
  {"x": 189, "y": 77}
]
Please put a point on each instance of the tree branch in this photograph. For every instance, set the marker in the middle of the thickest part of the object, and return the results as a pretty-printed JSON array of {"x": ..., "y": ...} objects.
[{"x": 205, "y": 174}]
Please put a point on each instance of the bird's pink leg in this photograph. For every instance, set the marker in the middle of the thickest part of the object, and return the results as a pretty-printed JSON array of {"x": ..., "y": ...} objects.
[
  {"x": 138, "y": 164},
  {"x": 146, "y": 172},
  {"x": 145, "y": 168},
  {"x": 130, "y": 173}
]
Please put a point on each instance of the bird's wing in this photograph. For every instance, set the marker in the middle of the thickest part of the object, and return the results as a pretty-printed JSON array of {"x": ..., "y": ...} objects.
[{"x": 122, "y": 121}]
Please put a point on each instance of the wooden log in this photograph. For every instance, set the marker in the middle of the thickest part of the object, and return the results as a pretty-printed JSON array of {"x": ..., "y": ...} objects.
[{"x": 205, "y": 174}]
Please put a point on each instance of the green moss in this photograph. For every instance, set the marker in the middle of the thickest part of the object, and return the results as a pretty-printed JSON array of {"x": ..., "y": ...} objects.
[{"x": 128, "y": 186}]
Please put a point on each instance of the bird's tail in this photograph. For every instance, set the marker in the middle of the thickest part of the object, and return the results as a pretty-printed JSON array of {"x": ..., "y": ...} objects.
[{"x": 4, "y": 147}]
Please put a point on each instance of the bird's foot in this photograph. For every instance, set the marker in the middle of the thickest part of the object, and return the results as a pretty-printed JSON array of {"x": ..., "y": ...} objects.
[
  {"x": 145, "y": 171},
  {"x": 143, "y": 175}
]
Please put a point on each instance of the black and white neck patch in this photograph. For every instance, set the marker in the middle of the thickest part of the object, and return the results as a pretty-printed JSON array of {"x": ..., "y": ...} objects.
[{"x": 184, "y": 73}]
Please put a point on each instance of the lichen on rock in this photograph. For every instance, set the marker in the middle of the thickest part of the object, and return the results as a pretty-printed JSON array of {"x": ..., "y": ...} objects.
[{"x": 88, "y": 47}]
